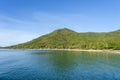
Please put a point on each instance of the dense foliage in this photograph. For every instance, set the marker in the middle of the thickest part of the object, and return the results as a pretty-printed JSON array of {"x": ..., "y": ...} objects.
[{"x": 68, "y": 39}]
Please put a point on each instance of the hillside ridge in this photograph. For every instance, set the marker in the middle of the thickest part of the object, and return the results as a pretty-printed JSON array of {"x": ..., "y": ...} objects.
[{"x": 68, "y": 39}]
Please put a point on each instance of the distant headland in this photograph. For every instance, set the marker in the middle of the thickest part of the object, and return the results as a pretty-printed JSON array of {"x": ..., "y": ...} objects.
[{"x": 69, "y": 39}]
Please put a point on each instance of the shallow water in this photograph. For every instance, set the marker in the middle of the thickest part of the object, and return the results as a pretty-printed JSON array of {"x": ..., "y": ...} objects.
[{"x": 58, "y": 65}]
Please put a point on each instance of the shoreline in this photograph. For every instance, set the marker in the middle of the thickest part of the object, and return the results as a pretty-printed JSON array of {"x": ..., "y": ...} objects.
[{"x": 89, "y": 50}]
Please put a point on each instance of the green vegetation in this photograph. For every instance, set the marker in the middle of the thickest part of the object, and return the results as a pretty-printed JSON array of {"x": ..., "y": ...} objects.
[
  {"x": 1, "y": 47},
  {"x": 68, "y": 39}
]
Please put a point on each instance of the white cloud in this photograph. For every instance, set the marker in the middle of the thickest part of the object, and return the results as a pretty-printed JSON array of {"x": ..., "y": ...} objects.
[{"x": 11, "y": 37}]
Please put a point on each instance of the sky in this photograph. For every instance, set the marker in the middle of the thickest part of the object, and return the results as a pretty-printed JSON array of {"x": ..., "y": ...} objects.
[{"x": 24, "y": 20}]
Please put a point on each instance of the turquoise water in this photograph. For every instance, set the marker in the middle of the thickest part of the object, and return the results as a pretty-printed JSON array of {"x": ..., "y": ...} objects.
[{"x": 58, "y": 65}]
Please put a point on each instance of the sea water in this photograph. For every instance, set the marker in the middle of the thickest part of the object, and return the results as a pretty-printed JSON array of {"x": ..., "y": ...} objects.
[{"x": 58, "y": 65}]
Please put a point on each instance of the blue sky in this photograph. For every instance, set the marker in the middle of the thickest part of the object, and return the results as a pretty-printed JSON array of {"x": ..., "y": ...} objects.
[{"x": 24, "y": 20}]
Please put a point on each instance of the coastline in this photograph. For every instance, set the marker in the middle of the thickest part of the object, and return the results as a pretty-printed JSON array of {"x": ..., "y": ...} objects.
[{"x": 89, "y": 50}]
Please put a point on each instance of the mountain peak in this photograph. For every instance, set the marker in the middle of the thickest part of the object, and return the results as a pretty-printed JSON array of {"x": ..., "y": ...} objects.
[
  {"x": 68, "y": 39},
  {"x": 64, "y": 30}
]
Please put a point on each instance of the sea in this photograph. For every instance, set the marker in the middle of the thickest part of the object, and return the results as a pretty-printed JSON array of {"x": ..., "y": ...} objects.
[{"x": 58, "y": 65}]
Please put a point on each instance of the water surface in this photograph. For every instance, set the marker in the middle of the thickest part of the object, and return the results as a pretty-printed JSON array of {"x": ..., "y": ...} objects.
[{"x": 58, "y": 65}]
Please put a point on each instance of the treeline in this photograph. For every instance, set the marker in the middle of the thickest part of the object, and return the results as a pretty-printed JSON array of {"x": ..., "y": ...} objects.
[{"x": 68, "y": 39}]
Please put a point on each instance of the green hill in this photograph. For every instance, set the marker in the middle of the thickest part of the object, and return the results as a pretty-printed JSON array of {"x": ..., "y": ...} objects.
[
  {"x": 1, "y": 47},
  {"x": 68, "y": 39}
]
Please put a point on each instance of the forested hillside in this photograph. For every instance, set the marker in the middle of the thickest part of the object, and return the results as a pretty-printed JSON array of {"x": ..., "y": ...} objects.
[{"x": 68, "y": 39}]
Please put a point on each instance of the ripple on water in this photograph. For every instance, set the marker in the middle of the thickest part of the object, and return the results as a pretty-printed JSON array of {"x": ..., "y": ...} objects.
[{"x": 58, "y": 65}]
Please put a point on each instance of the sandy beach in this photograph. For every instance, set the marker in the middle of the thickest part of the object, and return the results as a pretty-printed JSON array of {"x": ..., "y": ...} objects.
[{"x": 89, "y": 50}]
